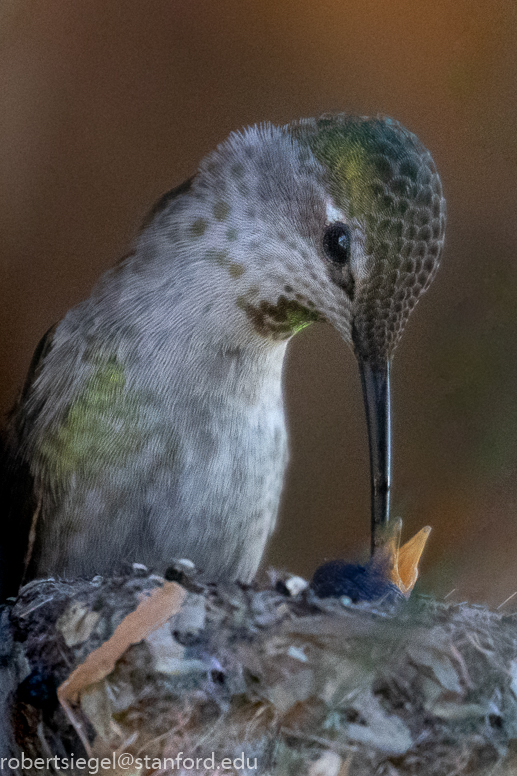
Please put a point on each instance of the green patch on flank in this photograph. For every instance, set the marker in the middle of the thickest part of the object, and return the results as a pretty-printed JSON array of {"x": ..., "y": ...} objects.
[
  {"x": 198, "y": 227},
  {"x": 100, "y": 427},
  {"x": 221, "y": 210},
  {"x": 231, "y": 234}
]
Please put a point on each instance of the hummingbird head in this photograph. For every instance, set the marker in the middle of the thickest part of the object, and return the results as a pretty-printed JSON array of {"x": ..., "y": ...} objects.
[{"x": 339, "y": 219}]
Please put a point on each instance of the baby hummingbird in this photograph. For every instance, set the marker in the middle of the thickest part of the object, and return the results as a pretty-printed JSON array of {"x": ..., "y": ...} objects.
[{"x": 151, "y": 425}]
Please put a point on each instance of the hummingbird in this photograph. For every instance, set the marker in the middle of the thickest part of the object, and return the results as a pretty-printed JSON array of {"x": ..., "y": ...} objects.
[{"x": 151, "y": 424}]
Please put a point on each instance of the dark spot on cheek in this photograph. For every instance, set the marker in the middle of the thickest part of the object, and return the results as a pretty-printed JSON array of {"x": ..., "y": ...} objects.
[
  {"x": 221, "y": 210},
  {"x": 198, "y": 227},
  {"x": 305, "y": 301},
  {"x": 237, "y": 170},
  {"x": 235, "y": 270},
  {"x": 280, "y": 320}
]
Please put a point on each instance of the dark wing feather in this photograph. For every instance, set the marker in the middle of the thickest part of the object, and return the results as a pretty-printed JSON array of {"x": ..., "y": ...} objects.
[{"x": 19, "y": 502}]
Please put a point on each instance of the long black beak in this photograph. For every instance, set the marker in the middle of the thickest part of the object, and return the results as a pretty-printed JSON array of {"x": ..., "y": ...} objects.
[{"x": 375, "y": 379}]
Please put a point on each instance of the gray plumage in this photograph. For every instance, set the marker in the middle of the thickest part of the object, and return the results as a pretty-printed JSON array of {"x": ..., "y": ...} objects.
[{"x": 152, "y": 426}]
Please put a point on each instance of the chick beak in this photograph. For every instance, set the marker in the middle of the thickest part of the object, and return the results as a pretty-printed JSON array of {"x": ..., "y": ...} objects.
[{"x": 375, "y": 380}]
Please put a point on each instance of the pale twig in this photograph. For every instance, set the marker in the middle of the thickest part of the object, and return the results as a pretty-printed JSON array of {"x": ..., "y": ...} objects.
[{"x": 506, "y": 600}]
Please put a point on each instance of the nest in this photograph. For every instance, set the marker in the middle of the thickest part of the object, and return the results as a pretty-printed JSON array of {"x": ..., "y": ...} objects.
[{"x": 263, "y": 679}]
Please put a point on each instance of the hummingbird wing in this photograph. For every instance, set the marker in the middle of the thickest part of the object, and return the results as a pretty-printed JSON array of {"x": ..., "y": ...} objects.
[{"x": 19, "y": 499}]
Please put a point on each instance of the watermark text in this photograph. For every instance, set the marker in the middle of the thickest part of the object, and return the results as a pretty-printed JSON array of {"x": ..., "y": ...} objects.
[{"x": 127, "y": 761}]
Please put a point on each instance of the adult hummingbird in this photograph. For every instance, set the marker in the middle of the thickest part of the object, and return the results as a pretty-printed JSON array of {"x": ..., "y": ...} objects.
[{"x": 151, "y": 425}]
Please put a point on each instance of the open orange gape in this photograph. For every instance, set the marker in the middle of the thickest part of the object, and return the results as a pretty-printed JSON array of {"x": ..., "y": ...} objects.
[
  {"x": 390, "y": 574},
  {"x": 400, "y": 564}
]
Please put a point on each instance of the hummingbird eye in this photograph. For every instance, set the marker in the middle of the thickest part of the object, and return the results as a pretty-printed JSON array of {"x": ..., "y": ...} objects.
[{"x": 336, "y": 243}]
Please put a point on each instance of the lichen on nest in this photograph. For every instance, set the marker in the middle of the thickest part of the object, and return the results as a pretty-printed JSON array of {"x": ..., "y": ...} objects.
[{"x": 304, "y": 685}]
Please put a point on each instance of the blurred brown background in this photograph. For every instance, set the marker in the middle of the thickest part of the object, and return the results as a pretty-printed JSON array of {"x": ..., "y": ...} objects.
[{"x": 105, "y": 105}]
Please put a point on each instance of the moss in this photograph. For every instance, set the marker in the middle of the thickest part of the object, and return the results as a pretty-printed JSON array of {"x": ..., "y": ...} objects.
[{"x": 221, "y": 210}]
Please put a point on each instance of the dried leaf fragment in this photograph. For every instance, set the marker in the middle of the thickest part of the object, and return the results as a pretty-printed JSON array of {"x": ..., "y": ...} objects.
[{"x": 151, "y": 613}]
